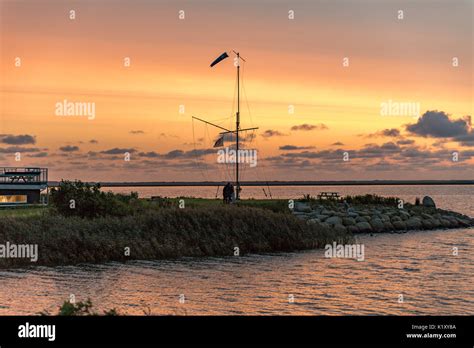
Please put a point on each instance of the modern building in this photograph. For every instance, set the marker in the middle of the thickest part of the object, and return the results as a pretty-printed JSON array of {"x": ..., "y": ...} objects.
[{"x": 20, "y": 186}]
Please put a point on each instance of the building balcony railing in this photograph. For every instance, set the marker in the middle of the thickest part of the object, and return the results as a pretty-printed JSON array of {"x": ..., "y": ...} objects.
[{"x": 22, "y": 175}]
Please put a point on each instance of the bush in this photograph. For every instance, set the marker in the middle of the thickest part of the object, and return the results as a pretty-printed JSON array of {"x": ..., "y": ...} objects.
[
  {"x": 163, "y": 202},
  {"x": 75, "y": 198},
  {"x": 308, "y": 198},
  {"x": 371, "y": 199},
  {"x": 79, "y": 309}
]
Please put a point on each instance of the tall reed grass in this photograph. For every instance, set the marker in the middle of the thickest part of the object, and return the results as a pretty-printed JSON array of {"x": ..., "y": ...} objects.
[{"x": 161, "y": 234}]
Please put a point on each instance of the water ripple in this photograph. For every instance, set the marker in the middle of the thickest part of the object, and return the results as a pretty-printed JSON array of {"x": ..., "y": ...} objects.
[{"x": 419, "y": 266}]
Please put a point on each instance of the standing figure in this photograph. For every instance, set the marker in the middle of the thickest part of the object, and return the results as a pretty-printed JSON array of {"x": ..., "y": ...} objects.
[
  {"x": 226, "y": 193},
  {"x": 231, "y": 193}
]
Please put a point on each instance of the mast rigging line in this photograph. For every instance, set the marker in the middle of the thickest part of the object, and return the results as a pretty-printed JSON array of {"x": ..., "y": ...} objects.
[
  {"x": 251, "y": 122},
  {"x": 237, "y": 121},
  {"x": 196, "y": 157}
]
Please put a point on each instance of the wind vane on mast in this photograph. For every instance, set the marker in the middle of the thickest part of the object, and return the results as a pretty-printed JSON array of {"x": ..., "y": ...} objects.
[{"x": 237, "y": 129}]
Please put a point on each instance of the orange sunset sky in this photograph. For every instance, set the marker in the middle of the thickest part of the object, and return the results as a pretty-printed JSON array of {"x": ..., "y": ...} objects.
[{"x": 289, "y": 62}]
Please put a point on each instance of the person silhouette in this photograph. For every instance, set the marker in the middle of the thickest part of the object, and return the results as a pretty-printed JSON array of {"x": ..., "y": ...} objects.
[
  {"x": 231, "y": 193},
  {"x": 226, "y": 193}
]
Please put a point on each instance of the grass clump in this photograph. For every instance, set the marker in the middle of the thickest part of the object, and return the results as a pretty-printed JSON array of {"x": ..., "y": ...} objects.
[
  {"x": 275, "y": 205},
  {"x": 372, "y": 199},
  {"x": 80, "y": 309},
  {"x": 369, "y": 199}
]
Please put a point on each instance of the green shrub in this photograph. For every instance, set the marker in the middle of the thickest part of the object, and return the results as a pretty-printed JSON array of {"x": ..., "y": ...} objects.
[
  {"x": 79, "y": 309},
  {"x": 163, "y": 202},
  {"x": 371, "y": 199},
  {"x": 75, "y": 198}
]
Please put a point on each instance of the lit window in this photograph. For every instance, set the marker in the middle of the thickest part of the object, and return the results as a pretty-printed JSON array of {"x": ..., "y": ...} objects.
[{"x": 13, "y": 198}]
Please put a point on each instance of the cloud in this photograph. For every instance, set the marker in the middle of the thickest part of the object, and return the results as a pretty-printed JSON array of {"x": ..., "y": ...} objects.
[
  {"x": 338, "y": 143},
  {"x": 324, "y": 154},
  {"x": 23, "y": 139},
  {"x": 174, "y": 154},
  {"x": 151, "y": 154},
  {"x": 386, "y": 157},
  {"x": 392, "y": 132},
  {"x": 389, "y": 132},
  {"x": 271, "y": 133},
  {"x": 93, "y": 141},
  {"x": 309, "y": 127},
  {"x": 294, "y": 147},
  {"x": 13, "y": 149},
  {"x": 373, "y": 150},
  {"x": 164, "y": 135},
  {"x": 118, "y": 151},
  {"x": 466, "y": 139},
  {"x": 189, "y": 154},
  {"x": 199, "y": 153},
  {"x": 39, "y": 155},
  {"x": 69, "y": 148},
  {"x": 389, "y": 150},
  {"x": 437, "y": 124},
  {"x": 137, "y": 132},
  {"x": 178, "y": 154},
  {"x": 172, "y": 157},
  {"x": 405, "y": 142},
  {"x": 232, "y": 137}
]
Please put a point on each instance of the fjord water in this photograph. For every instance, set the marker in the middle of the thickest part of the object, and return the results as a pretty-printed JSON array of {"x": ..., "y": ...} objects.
[
  {"x": 421, "y": 266},
  {"x": 453, "y": 197}
]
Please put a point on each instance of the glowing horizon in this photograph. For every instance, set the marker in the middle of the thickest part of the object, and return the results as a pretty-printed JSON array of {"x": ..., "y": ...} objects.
[{"x": 290, "y": 63}]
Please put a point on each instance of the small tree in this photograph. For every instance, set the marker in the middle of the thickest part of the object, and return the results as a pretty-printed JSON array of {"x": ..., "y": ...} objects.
[{"x": 75, "y": 198}]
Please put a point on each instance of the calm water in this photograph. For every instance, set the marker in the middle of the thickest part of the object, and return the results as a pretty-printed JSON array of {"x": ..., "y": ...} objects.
[
  {"x": 454, "y": 197},
  {"x": 419, "y": 265}
]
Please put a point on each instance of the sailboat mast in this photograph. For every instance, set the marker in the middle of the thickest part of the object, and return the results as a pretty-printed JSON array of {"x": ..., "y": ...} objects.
[
  {"x": 237, "y": 126},
  {"x": 237, "y": 120}
]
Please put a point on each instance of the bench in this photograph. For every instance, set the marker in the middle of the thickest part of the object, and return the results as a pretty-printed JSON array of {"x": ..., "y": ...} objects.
[{"x": 329, "y": 195}]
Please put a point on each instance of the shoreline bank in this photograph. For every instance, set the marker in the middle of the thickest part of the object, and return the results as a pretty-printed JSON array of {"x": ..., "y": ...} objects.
[
  {"x": 371, "y": 218},
  {"x": 162, "y": 234},
  {"x": 159, "y": 229}
]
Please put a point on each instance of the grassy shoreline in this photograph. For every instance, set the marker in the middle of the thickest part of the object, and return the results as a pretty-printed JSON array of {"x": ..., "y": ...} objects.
[
  {"x": 199, "y": 230},
  {"x": 83, "y": 224}
]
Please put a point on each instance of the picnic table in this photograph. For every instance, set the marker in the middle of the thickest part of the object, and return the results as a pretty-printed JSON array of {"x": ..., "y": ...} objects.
[{"x": 329, "y": 195}]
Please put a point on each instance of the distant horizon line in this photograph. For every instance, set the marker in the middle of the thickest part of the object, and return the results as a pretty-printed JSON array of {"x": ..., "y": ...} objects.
[{"x": 276, "y": 183}]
